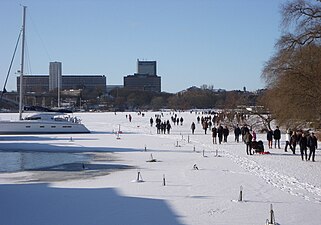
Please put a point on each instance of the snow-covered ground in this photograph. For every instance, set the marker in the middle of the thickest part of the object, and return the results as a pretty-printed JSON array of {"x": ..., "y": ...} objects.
[{"x": 101, "y": 195}]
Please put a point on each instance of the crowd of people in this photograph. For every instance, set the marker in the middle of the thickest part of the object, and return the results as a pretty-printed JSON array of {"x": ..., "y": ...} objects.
[
  {"x": 220, "y": 133},
  {"x": 304, "y": 140}
]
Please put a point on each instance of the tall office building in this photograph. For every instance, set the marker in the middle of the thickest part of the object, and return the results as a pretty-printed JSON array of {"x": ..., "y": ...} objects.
[
  {"x": 55, "y": 75},
  {"x": 146, "y": 67},
  {"x": 146, "y": 78}
]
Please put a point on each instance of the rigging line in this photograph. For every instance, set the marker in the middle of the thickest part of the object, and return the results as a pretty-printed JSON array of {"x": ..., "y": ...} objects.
[
  {"x": 41, "y": 40},
  {"x": 28, "y": 58},
  {"x": 9, "y": 70}
]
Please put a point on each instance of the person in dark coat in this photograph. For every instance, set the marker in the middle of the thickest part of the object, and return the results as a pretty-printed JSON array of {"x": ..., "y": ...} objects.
[
  {"x": 269, "y": 137},
  {"x": 158, "y": 127},
  {"x": 225, "y": 133},
  {"x": 313, "y": 145},
  {"x": 151, "y": 121},
  {"x": 209, "y": 124},
  {"x": 244, "y": 130},
  {"x": 277, "y": 137},
  {"x": 303, "y": 146},
  {"x": 168, "y": 127},
  {"x": 193, "y": 127},
  {"x": 294, "y": 141},
  {"x": 205, "y": 126},
  {"x": 248, "y": 142},
  {"x": 237, "y": 133},
  {"x": 214, "y": 134},
  {"x": 220, "y": 134},
  {"x": 162, "y": 127},
  {"x": 181, "y": 120}
]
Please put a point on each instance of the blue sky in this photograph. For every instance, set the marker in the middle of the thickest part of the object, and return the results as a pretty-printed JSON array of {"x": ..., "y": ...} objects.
[{"x": 223, "y": 43}]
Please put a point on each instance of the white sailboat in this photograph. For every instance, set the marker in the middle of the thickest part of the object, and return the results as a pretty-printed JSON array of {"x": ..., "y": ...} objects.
[{"x": 39, "y": 123}]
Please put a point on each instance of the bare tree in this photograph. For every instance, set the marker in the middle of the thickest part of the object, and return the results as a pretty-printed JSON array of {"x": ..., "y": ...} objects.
[
  {"x": 301, "y": 23},
  {"x": 294, "y": 81},
  {"x": 293, "y": 74}
]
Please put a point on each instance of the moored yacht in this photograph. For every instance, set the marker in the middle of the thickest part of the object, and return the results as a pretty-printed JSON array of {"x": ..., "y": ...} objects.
[
  {"x": 39, "y": 123},
  {"x": 43, "y": 123}
]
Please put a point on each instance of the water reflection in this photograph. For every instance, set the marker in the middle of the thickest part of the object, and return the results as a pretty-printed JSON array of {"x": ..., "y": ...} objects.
[{"x": 21, "y": 161}]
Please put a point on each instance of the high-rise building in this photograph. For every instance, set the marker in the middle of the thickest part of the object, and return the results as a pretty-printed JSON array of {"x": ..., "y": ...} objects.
[
  {"x": 145, "y": 79},
  {"x": 146, "y": 67},
  {"x": 55, "y": 75}
]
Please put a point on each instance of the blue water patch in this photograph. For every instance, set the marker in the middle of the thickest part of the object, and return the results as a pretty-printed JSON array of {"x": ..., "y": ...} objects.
[{"x": 22, "y": 161}]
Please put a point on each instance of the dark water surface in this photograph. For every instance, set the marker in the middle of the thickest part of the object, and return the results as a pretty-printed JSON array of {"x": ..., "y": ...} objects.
[{"x": 22, "y": 161}]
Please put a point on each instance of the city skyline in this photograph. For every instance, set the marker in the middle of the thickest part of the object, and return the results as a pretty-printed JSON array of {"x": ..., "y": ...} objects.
[{"x": 219, "y": 43}]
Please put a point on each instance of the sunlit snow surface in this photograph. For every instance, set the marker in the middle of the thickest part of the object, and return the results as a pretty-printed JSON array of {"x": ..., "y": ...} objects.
[{"x": 98, "y": 186}]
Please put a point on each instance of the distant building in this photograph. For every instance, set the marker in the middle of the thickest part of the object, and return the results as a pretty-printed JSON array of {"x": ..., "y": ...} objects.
[
  {"x": 145, "y": 79},
  {"x": 109, "y": 88},
  {"x": 40, "y": 83},
  {"x": 55, "y": 80},
  {"x": 143, "y": 82},
  {"x": 89, "y": 82},
  {"x": 146, "y": 67},
  {"x": 55, "y": 75},
  {"x": 34, "y": 83}
]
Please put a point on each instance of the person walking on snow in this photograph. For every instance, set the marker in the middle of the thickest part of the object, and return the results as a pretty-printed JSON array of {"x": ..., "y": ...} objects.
[
  {"x": 225, "y": 133},
  {"x": 303, "y": 146},
  {"x": 193, "y": 127},
  {"x": 181, "y": 120},
  {"x": 269, "y": 137},
  {"x": 248, "y": 142},
  {"x": 288, "y": 141},
  {"x": 214, "y": 134},
  {"x": 220, "y": 134},
  {"x": 277, "y": 137},
  {"x": 205, "y": 126},
  {"x": 168, "y": 127},
  {"x": 237, "y": 132},
  {"x": 293, "y": 141},
  {"x": 313, "y": 145}
]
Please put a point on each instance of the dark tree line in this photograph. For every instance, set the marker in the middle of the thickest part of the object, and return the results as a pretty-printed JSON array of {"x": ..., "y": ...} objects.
[{"x": 192, "y": 98}]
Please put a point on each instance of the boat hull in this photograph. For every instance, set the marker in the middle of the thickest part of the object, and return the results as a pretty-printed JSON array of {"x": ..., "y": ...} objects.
[{"x": 41, "y": 127}]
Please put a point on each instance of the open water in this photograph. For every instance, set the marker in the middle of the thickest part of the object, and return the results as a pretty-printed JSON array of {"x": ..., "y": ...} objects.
[{"x": 22, "y": 161}]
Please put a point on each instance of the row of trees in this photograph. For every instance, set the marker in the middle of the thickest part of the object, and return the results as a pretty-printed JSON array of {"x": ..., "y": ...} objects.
[
  {"x": 189, "y": 99},
  {"x": 204, "y": 97},
  {"x": 293, "y": 73}
]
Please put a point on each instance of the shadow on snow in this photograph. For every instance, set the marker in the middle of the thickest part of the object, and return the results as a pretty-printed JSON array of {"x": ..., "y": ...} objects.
[{"x": 39, "y": 204}]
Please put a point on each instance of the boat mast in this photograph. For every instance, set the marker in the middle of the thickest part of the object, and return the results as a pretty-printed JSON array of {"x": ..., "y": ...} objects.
[
  {"x": 22, "y": 61},
  {"x": 58, "y": 77}
]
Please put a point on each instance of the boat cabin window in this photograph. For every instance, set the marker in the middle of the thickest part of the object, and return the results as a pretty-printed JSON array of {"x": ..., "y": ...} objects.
[{"x": 33, "y": 118}]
